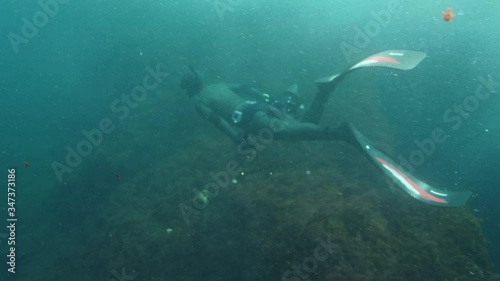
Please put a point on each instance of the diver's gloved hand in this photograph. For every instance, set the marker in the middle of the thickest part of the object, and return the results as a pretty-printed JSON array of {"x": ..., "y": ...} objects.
[{"x": 191, "y": 82}]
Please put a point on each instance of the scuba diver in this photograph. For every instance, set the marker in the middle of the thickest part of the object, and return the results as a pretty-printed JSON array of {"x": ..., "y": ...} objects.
[{"x": 242, "y": 113}]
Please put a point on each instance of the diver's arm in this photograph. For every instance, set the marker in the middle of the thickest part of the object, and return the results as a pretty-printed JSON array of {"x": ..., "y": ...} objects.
[{"x": 218, "y": 121}]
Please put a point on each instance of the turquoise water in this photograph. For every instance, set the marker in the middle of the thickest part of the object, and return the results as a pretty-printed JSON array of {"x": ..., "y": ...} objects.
[{"x": 65, "y": 66}]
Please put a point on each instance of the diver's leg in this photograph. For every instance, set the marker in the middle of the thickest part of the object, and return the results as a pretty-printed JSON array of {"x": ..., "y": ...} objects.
[
  {"x": 286, "y": 128},
  {"x": 325, "y": 89},
  {"x": 315, "y": 111}
]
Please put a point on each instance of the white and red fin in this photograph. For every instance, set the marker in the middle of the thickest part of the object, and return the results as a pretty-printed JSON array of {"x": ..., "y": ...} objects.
[
  {"x": 398, "y": 59},
  {"x": 406, "y": 181}
]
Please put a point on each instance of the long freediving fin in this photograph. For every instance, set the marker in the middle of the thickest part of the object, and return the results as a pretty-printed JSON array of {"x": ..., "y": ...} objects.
[
  {"x": 396, "y": 59},
  {"x": 406, "y": 181}
]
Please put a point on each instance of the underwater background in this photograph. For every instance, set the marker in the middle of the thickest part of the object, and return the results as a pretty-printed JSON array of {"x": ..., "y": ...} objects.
[{"x": 119, "y": 212}]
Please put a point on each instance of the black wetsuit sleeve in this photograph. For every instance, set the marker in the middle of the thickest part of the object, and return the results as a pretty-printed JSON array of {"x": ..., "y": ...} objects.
[{"x": 218, "y": 121}]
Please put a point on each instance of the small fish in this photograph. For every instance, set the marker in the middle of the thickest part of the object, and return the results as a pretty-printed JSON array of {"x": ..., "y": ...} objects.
[
  {"x": 26, "y": 164},
  {"x": 117, "y": 176}
]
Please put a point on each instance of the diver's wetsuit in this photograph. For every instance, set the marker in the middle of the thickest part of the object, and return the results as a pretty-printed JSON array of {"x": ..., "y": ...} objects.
[{"x": 238, "y": 117}]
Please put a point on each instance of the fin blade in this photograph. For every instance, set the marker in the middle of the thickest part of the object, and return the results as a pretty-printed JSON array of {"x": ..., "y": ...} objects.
[{"x": 413, "y": 186}]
